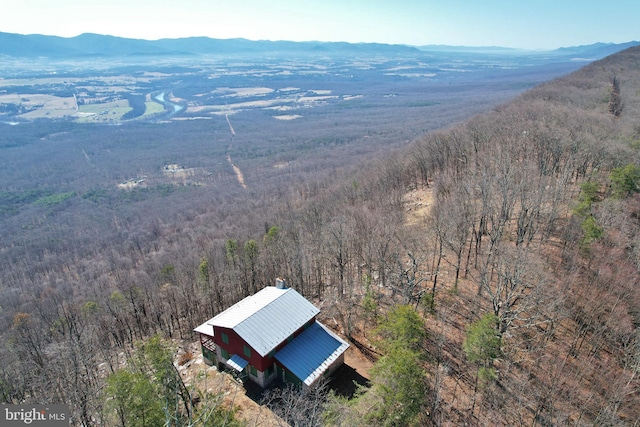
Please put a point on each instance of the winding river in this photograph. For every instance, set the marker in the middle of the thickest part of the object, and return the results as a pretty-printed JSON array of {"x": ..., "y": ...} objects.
[{"x": 176, "y": 107}]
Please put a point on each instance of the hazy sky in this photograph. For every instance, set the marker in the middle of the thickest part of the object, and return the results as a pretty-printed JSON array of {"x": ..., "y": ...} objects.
[{"x": 544, "y": 24}]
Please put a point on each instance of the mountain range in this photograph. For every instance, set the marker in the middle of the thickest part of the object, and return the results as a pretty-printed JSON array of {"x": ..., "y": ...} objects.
[
  {"x": 96, "y": 45},
  {"x": 592, "y": 51}
]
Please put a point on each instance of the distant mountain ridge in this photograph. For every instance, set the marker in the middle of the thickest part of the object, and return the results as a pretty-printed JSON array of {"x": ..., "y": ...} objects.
[
  {"x": 96, "y": 45},
  {"x": 592, "y": 51},
  {"x": 597, "y": 50},
  {"x": 469, "y": 49}
]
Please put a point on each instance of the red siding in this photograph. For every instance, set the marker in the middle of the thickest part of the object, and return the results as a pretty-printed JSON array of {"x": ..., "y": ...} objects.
[
  {"x": 263, "y": 363},
  {"x": 236, "y": 346}
]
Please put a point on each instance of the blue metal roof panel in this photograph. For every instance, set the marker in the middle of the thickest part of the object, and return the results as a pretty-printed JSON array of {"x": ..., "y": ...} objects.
[
  {"x": 237, "y": 363},
  {"x": 310, "y": 354}
]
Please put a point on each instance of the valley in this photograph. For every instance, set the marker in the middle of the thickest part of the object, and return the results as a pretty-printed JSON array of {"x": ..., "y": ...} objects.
[
  {"x": 209, "y": 86},
  {"x": 142, "y": 194}
]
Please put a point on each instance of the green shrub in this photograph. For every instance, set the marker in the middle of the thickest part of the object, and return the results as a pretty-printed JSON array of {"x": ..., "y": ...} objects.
[{"x": 624, "y": 181}]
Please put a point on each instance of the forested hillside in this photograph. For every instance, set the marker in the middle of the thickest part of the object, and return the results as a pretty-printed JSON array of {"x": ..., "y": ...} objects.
[
  {"x": 534, "y": 225},
  {"x": 518, "y": 246},
  {"x": 490, "y": 268}
]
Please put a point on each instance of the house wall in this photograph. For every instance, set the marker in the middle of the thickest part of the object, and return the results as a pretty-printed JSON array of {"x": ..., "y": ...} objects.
[
  {"x": 221, "y": 359},
  {"x": 236, "y": 346},
  {"x": 333, "y": 367},
  {"x": 265, "y": 363},
  {"x": 209, "y": 351},
  {"x": 262, "y": 378},
  {"x": 288, "y": 377}
]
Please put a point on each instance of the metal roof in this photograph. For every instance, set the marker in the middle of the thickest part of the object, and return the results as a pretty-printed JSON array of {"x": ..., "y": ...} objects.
[
  {"x": 237, "y": 363},
  {"x": 266, "y": 318},
  {"x": 312, "y": 352},
  {"x": 205, "y": 328}
]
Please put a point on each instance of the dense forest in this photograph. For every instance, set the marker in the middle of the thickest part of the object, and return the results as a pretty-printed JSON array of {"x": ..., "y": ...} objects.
[{"x": 491, "y": 267}]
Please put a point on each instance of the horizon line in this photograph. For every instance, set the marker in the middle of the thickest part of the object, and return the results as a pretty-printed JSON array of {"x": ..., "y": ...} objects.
[{"x": 418, "y": 46}]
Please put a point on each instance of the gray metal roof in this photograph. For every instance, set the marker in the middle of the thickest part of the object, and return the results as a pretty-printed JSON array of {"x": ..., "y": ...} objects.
[
  {"x": 312, "y": 352},
  {"x": 205, "y": 328},
  {"x": 266, "y": 318}
]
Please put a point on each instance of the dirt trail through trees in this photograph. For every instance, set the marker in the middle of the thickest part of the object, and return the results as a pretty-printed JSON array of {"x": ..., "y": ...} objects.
[{"x": 236, "y": 169}]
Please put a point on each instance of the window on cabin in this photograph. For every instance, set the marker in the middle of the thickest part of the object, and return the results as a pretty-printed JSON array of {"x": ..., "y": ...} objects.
[
  {"x": 269, "y": 371},
  {"x": 225, "y": 338},
  {"x": 254, "y": 371},
  {"x": 247, "y": 351},
  {"x": 225, "y": 353}
]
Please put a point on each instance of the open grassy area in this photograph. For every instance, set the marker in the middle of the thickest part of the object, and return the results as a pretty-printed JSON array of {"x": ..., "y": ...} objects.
[
  {"x": 105, "y": 112},
  {"x": 151, "y": 108},
  {"x": 37, "y": 106}
]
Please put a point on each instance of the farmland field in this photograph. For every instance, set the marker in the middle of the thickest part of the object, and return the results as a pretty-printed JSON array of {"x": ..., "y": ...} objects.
[{"x": 207, "y": 87}]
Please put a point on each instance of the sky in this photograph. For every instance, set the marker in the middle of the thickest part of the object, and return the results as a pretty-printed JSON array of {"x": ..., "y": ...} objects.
[{"x": 526, "y": 24}]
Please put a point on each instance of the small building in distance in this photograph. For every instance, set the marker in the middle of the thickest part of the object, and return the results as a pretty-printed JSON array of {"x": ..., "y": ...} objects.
[{"x": 272, "y": 334}]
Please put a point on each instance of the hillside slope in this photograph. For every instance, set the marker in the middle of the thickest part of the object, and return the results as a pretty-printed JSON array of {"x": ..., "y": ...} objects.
[
  {"x": 529, "y": 223},
  {"x": 520, "y": 224}
]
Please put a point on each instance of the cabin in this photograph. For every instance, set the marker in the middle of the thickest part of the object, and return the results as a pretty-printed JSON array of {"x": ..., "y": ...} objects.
[{"x": 270, "y": 335}]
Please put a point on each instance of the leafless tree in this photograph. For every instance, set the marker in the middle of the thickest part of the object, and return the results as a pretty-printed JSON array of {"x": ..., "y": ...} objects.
[{"x": 297, "y": 406}]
